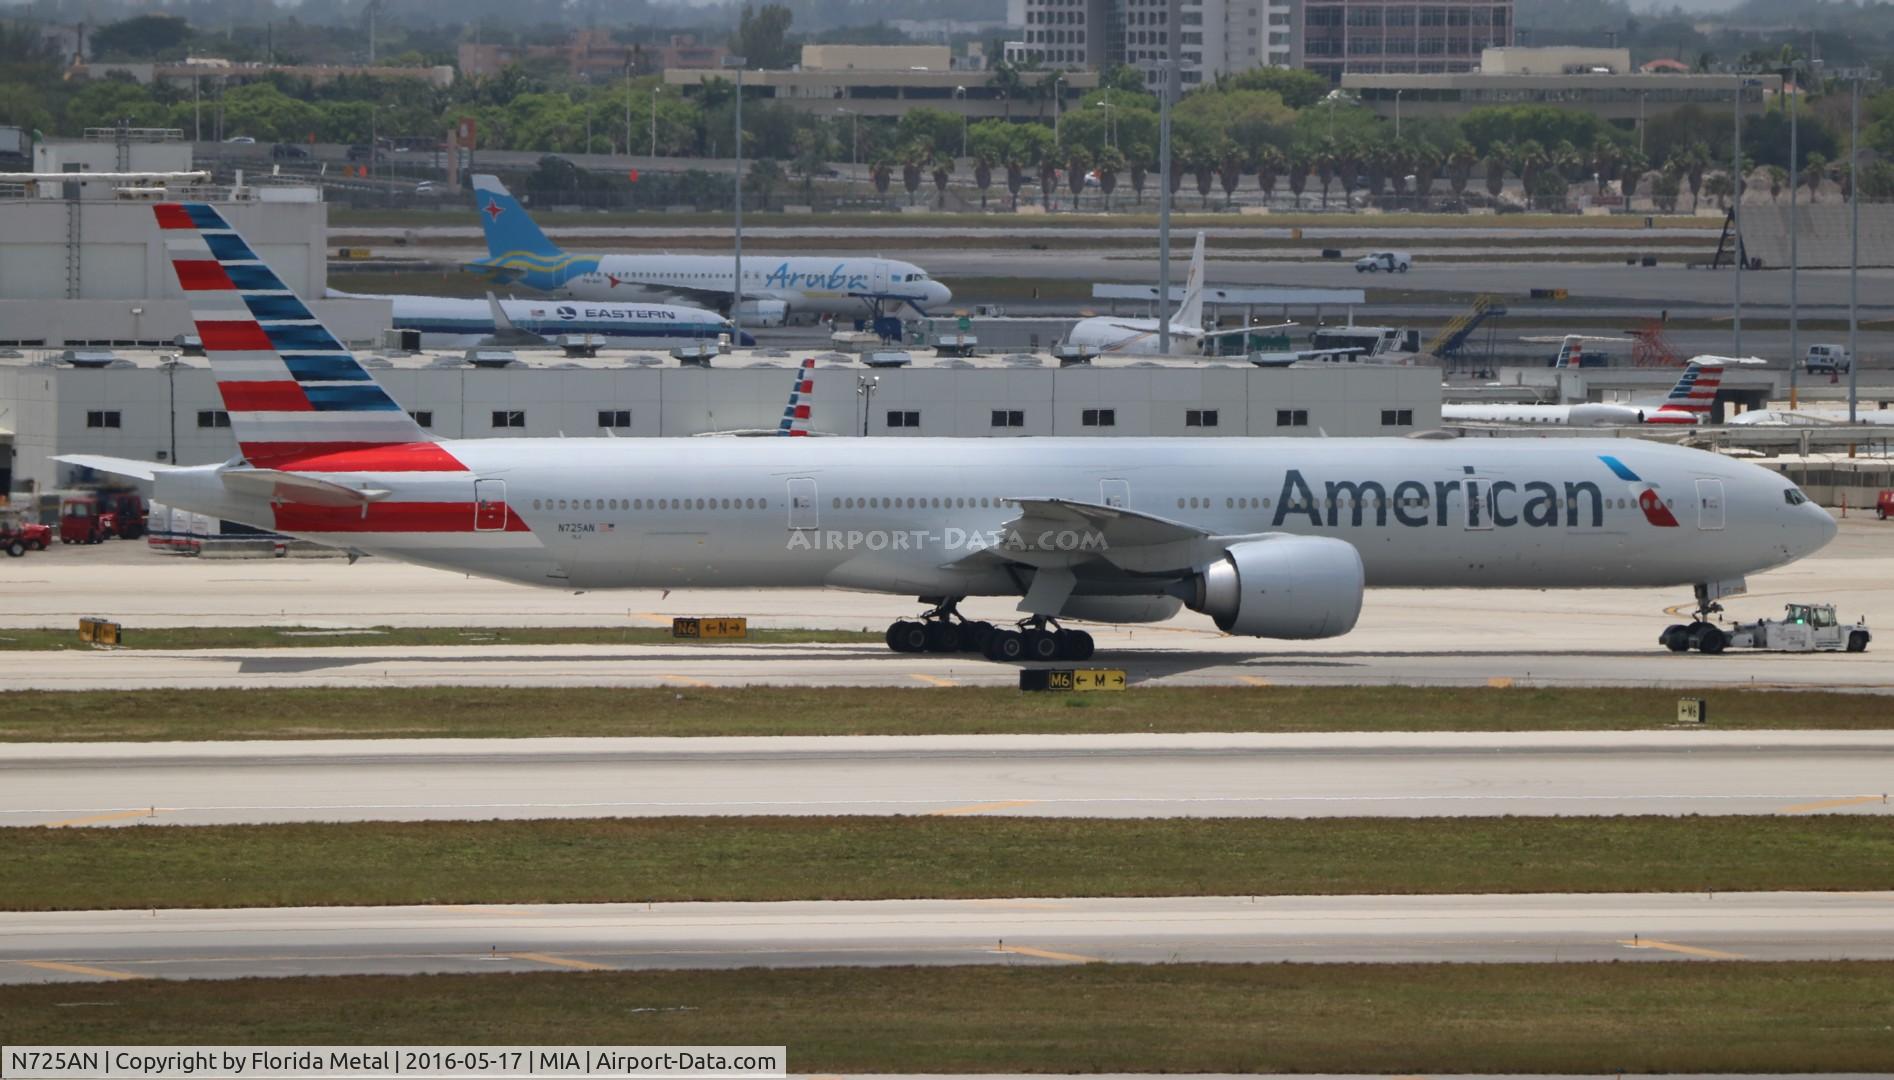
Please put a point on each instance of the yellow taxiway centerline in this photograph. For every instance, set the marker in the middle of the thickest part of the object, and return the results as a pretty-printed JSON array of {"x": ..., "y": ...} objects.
[
  {"x": 80, "y": 969},
  {"x": 1047, "y": 954},
  {"x": 1832, "y": 804},
  {"x": 560, "y": 961},
  {"x": 931, "y": 680},
  {"x": 1687, "y": 950},
  {"x": 97, "y": 819}
]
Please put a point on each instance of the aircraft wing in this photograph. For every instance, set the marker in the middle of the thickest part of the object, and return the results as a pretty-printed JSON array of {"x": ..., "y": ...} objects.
[
  {"x": 278, "y": 485},
  {"x": 1052, "y": 533},
  {"x": 1250, "y": 329},
  {"x": 130, "y": 468}
]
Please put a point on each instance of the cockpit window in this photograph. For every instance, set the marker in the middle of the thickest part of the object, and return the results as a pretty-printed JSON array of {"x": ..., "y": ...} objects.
[{"x": 1794, "y": 497}]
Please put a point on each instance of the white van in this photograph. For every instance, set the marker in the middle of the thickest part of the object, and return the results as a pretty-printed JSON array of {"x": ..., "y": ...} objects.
[
  {"x": 1391, "y": 261},
  {"x": 1828, "y": 360}
]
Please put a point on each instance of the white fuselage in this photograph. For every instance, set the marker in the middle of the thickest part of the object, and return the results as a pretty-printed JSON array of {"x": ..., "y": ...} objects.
[
  {"x": 1587, "y": 414},
  {"x": 903, "y": 515},
  {"x": 809, "y": 284},
  {"x": 1106, "y": 334},
  {"x": 447, "y": 323},
  {"x": 1810, "y": 417}
]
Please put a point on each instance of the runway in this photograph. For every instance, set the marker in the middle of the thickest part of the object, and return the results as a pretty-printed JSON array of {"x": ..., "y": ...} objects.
[
  {"x": 233, "y": 943},
  {"x": 1467, "y": 637},
  {"x": 1420, "y": 774}
]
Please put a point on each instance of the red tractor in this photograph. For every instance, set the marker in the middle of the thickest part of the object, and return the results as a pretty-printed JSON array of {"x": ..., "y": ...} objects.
[{"x": 19, "y": 536}]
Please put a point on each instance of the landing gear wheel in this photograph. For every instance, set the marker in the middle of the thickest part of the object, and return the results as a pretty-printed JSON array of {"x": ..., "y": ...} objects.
[
  {"x": 943, "y": 637},
  {"x": 1076, "y": 645},
  {"x": 1005, "y": 645},
  {"x": 975, "y": 635},
  {"x": 908, "y": 636},
  {"x": 1041, "y": 645},
  {"x": 1858, "y": 641},
  {"x": 1676, "y": 638},
  {"x": 1712, "y": 641}
]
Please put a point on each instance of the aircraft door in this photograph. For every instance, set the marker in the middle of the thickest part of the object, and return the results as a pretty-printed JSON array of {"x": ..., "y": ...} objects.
[
  {"x": 1709, "y": 504},
  {"x": 489, "y": 505},
  {"x": 1115, "y": 493},
  {"x": 1479, "y": 503},
  {"x": 802, "y": 503},
  {"x": 880, "y": 280}
]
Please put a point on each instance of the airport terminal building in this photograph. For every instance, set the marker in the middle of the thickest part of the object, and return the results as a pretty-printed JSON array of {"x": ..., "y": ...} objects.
[{"x": 160, "y": 405}]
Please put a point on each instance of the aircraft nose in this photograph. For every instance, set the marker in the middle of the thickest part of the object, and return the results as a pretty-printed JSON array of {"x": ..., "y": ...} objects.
[
  {"x": 1825, "y": 527},
  {"x": 938, "y": 293}
]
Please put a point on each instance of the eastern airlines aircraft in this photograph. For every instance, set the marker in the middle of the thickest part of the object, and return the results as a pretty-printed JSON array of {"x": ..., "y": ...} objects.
[
  {"x": 773, "y": 287},
  {"x": 1272, "y": 538},
  {"x": 450, "y": 323}
]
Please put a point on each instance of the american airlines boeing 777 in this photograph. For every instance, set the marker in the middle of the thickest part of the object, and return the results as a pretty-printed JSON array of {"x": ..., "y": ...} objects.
[{"x": 1272, "y": 538}]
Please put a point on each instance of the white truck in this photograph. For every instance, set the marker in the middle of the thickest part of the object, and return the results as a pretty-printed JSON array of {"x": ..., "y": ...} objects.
[
  {"x": 1803, "y": 628},
  {"x": 1392, "y": 262},
  {"x": 1828, "y": 360}
]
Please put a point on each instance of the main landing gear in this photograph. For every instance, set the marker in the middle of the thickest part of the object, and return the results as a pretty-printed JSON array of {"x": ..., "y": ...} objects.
[
  {"x": 943, "y": 629},
  {"x": 1700, "y": 633}
]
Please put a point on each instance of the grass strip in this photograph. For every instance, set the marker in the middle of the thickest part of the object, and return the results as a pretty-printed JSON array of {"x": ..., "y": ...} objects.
[
  {"x": 511, "y": 712},
  {"x": 1211, "y": 1018},
  {"x": 303, "y": 637},
  {"x": 604, "y": 860}
]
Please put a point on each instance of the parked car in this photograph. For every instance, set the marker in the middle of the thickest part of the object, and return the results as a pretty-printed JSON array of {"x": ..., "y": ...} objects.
[
  {"x": 1393, "y": 262},
  {"x": 1828, "y": 360},
  {"x": 430, "y": 189},
  {"x": 242, "y": 140},
  {"x": 283, "y": 151},
  {"x": 362, "y": 153}
]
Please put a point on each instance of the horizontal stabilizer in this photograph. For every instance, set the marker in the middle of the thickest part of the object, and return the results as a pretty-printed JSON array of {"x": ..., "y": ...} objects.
[
  {"x": 128, "y": 467},
  {"x": 294, "y": 487}
]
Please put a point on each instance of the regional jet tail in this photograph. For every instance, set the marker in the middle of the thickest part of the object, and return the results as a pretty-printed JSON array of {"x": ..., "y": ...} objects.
[
  {"x": 773, "y": 288},
  {"x": 1688, "y": 402},
  {"x": 1109, "y": 335},
  {"x": 1270, "y": 538}
]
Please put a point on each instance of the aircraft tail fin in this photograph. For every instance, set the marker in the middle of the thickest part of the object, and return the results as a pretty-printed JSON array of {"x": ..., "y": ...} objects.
[
  {"x": 796, "y": 415},
  {"x": 1694, "y": 392},
  {"x": 1190, "y": 309},
  {"x": 510, "y": 230},
  {"x": 1571, "y": 352},
  {"x": 293, "y": 391}
]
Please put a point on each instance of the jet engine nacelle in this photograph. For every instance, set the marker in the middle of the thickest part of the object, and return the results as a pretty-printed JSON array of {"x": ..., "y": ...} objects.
[
  {"x": 1604, "y": 414},
  {"x": 1283, "y": 587},
  {"x": 764, "y": 312},
  {"x": 1121, "y": 609}
]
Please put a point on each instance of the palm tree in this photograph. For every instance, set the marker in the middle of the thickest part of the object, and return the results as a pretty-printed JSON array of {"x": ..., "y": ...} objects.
[
  {"x": 1348, "y": 158},
  {"x": 1529, "y": 158},
  {"x": 1229, "y": 169},
  {"x": 765, "y": 175},
  {"x": 1813, "y": 174},
  {"x": 1003, "y": 79},
  {"x": 943, "y": 167},
  {"x": 1048, "y": 173},
  {"x": 1203, "y": 167},
  {"x": 1269, "y": 165},
  {"x": 1108, "y": 162},
  {"x": 1605, "y": 158},
  {"x": 1077, "y": 163},
  {"x": 1427, "y": 160},
  {"x": 1460, "y": 162},
  {"x": 1325, "y": 167},
  {"x": 1497, "y": 158},
  {"x": 1299, "y": 165},
  {"x": 914, "y": 158},
  {"x": 882, "y": 171},
  {"x": 1691, "y": 161},
  {"x": 1631, "y": 169}
]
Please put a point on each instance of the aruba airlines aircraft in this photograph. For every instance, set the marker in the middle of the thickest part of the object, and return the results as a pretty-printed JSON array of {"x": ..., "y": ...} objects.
[
  {"x": 1272, "y": 538},
  {"x": 1688, "y": 402},
  {"x": 450, "y": 323},
  {"x": 773, "y": 287},
  {"x": 1109, "y": 335}
]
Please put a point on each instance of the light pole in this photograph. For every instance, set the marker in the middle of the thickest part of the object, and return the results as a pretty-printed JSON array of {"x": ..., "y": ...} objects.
[
  {"x": 1397, "y": 115},
  {"x": 1111, "y": 122},
  {"x": 654, "y": 119},
  {"x": 736, "y": 280},
  {"x": 854, "y": 140},
  {"x": 1058, "y": 80},
  {"x": 1172, "y": 61},
  {"x": 1736, "y": 211},
  {"x": 865, "y": 386},
  {"x": 627, "y": 108},
  {"x": 960, "y": 94},
  {"x": 1854, "y": 243},
  {"x": 1641, "y": 94},
  {"x": 1795, "y": 260}
]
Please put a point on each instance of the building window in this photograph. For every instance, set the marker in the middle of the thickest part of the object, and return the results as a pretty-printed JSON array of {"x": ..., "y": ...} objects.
[
  {"x": 899, "y": 418},
  {"x": 1397, "y": 417},
  {"x": 1200, "y": 418},
  {"x": 614, "y": 418},
  {"x": 1099, "y": 418},
  {"x": 99, "y": 418},
  {"x": 1292, "y": 418},
  {"x": 1009, "y": 418},
  {"x": 509, "y": 418},
  {"x": 423, "y": 417},
  {"x": 212, "y": 418}
]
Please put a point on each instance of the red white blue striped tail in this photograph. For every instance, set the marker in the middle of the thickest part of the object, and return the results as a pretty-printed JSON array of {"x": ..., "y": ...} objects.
[
  {"x": 796, "y": 414},
  {"x": 297, "y": 398},
  {"x": 1689, "y": 402}
]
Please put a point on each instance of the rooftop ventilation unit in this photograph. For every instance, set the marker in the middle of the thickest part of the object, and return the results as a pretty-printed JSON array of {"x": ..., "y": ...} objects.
[
  {"x": 696, "y": 355},
  {"x": 493, "y": 358},
  {"x": 580, "y": 345},
  {"x": 89, "y": 358},
  {"x": 892, "y": 358}
]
